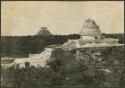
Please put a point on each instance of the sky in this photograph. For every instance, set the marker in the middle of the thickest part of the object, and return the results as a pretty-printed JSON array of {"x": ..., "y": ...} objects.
[{"x": 22, "y": 18}]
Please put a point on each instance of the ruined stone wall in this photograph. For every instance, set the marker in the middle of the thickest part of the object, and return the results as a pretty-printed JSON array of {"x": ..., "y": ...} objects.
[
  {"x": 104, "y": 64},
  {"x": 108, "y": 60}
]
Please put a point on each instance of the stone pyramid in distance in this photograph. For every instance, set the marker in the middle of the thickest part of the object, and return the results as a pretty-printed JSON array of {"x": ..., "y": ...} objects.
[{"x": 44, "y": 32}]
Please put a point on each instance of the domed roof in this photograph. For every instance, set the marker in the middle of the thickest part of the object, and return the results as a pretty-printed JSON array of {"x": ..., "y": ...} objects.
[{"x": 90, "y": 27}]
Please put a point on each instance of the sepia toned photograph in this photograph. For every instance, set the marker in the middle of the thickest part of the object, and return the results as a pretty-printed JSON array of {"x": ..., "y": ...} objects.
[{"x": 62, "y": 44}]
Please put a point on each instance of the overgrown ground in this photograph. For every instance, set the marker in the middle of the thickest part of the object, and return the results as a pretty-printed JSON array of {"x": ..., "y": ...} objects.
[
  {"x": 95, "y": 67},
  {"x": 21, "y": 46}
]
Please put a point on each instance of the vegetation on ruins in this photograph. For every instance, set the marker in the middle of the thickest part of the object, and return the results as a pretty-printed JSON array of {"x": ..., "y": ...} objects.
[
  {"x": 65, "y": 68},
  {"x": 21, "y": 46}
]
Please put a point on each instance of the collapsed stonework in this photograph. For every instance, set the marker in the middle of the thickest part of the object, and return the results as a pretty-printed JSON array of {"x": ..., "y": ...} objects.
[
  {"x": 37, "y": 60},
  {"x": 90, "y": 36}
]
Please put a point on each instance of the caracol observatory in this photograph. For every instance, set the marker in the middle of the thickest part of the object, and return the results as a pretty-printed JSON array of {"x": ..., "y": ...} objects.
[
  {"x": 90, "y": 36},
  {"x": 91, "y": 29}
]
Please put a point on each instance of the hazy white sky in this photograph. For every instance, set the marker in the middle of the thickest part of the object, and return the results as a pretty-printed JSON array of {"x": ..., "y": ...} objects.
[{"x": 61, "y": 17}]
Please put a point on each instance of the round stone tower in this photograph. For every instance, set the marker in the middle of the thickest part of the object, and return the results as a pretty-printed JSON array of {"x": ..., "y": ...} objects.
[{"x": 90, "y": 29}]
